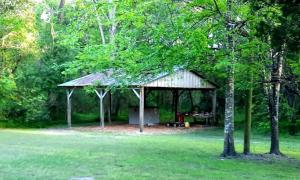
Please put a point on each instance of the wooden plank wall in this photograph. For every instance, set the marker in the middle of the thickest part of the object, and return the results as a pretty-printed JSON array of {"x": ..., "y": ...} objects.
[{"x": 181, "y": 79}]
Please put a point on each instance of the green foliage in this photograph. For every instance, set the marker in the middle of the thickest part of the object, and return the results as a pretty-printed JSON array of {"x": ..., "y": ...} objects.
[
  {"x": 30, "y": 65},
  {"x": 7, "y": 94}
]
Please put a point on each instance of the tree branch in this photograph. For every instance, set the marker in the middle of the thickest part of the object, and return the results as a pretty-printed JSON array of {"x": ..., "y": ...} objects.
[{"x": 217, "y": 7}]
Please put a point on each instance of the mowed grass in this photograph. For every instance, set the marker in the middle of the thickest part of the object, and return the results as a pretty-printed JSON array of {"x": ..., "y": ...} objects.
[{"x": 66, "y": 154}]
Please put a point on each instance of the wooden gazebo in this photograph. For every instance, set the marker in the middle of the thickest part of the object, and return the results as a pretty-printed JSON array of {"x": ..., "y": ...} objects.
[{"x": 179, "y": 79}]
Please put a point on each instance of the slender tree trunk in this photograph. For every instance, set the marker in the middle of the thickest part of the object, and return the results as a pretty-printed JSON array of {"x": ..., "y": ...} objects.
[
  {"x": 274, "y": 94},
  {"x": 112, "y": 28},
  {"x": 229, "y": 149},
  {"x": 112, "y": 18},
  {"x": 248, "y": 117},
  {"x": 61, "y": 13},
  {"x": 52, "y": 33},
  {"x": 100, "y": 26}
]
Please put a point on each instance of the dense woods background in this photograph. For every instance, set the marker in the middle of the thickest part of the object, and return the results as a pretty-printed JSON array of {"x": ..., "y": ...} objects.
[{"x": 256, "y": 43}]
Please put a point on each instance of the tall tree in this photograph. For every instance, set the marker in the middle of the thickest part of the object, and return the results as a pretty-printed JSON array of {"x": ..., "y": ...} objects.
[
  {"x": 248, "y": 115},
  {"x": 273, "y": 100},
  {"x": 229, "y": 149},
  {"x": 278, "y": 26}
]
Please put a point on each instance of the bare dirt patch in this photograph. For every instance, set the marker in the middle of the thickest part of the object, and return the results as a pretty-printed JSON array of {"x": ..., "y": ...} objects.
[{"x": 134, "y": 129}]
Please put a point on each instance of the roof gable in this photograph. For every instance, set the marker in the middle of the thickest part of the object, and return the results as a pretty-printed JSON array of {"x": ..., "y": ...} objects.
[{"x": 181, "y": 79}]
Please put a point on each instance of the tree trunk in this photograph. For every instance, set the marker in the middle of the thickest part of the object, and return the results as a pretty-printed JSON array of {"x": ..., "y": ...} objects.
[
  {"x": 273, "y": 97},
  {"x": 112, "y": 28},
  {"x": 52, "y": 33},
  {"x": 112, "y": 18},
  {"x": 61, "y": 13},
  {"x": 229, "y": 149},
  {"x": 100, "y": 26},
  {"x": 248, "y": 118}
]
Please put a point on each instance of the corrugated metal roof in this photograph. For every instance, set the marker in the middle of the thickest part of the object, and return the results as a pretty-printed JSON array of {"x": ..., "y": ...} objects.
[
  {"x": 118, "y": 78},
  {"x": 100, "y": 78}
]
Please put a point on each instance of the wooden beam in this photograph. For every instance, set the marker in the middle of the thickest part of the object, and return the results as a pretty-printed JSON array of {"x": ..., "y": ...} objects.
[
  {"x": 101, "y": 94},
  {"x": 141, "y": 119},
  {"x": 136, "y": 93},
  {"x": 70, "y": 92}
]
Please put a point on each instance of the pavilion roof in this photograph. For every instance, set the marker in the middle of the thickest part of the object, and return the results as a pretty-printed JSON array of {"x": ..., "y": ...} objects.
[{"x": 112, "y": 77}]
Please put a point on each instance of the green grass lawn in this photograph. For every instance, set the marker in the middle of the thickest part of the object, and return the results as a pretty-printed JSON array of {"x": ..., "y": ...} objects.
[{"x": 53, "y": 154}]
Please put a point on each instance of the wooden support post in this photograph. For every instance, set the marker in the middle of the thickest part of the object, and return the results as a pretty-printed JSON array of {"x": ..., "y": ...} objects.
[
  {"x": 69, "y": 113},
  {"x": 141, "y": 119},
  {"x": 101, "y": 96},
  {"x": 214, "y": 104},
  {"x": 101, "y": 110},
  {"x": 141, "y": 97},
  {"x": 69, "y": 107}
]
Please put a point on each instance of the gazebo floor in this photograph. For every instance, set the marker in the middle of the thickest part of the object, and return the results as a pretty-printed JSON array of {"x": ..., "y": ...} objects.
[{"x": 134, "y": 129}]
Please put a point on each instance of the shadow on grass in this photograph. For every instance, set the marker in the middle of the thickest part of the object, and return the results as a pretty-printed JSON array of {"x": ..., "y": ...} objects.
[{"x": 265, "y": 158}]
